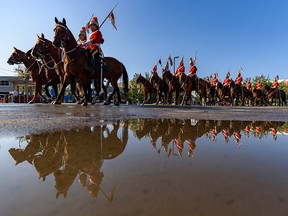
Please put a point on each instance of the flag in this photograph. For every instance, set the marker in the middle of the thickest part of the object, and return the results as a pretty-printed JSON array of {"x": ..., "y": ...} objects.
[
  {"x": 112, "y": 19},
  {"x": 87, "y": 27},
  {"x": 160, "y": 62},
  {"x": 170, "y": 59}
]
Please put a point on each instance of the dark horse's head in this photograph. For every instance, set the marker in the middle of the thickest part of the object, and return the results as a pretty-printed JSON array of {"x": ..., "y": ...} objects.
[
  {"x": 41, "y": 46},
  {"x": 62, "y": 35},
  {"x": 16, "y": 57}
]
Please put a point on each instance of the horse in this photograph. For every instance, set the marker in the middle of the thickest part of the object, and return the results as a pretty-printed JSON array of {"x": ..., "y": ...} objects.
[
  {"x": 223, "y": 92},
  {"x": 160, "y": 86},
  {"x": 246, "y": 94},
  {"x": 37, "y": 70},
  {"x": 173, "y": 84},
  {"x": 258, "y": 94},
  {"x": 235, "y": 92},
  {"x": 275, "y": 93},
  {"x": 76, "y": 61},
  {"x": 147, "y": 87},
  {"x": 190, "y": 84}
]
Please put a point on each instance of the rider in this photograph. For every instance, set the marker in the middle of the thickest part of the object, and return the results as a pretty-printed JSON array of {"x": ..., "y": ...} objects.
[
  {"x": 193, "y": 68},
  {"x": 154, "y": 70},
  {"x": 248, "y": 84},
  {"x": 93, "y": 45},
  {"x": 82, "y": 37},
  {"x": 275, "y": 83},
  {"x": 259, "y": 85},
  {"x": 227, "y": 80},
  {"x": 239, "y": 78},
  {"x": 192, "y": 71},
  {"x": 181, "y": 68},
  {"x": 215, "y": 80}
]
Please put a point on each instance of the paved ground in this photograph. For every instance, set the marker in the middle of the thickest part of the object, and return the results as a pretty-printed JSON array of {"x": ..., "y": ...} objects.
[{"x": 25, "y": 118}]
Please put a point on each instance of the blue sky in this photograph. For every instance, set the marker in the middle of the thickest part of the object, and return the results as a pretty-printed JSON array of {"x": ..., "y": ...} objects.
[{"x": 225, "y": 34}]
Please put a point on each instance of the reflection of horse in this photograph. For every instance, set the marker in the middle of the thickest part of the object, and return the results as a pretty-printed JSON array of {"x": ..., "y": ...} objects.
[
  {"x": 76, "y": 61},
  {"x": 65, "y": 154},
  {"x": 36, "y": 69},
  {"x": 160, "y": 86},
  {"x": 276, "y": 93},
  {"x": 147, "y": 88},
  {"x": 173, "y": 84}
]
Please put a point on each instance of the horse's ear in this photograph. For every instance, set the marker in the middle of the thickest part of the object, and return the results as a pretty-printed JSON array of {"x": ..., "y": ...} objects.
[
  {"x": 56, "y": 20},
  {"x": 15, "y": 49},
  {"x": 64, "y": 22},
  {"x": 42, "y": 36},
  {"x": 38, "y": 36}
]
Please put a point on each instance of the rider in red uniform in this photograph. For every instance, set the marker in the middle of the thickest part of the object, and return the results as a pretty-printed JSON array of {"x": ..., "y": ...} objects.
[
  {"x": 193, "y": 68},
  {"x": 227, "y": 80},
  {"x": 248, "y": 84},
  {"x": 181, "y": 68},
  {"x": 215, "y": 80},
  {"x": 239, "y": 78},
  {"x": 275, "y": 84},
  {"x": 82, "y": 37},
  {"x": 93, "y": 45}
]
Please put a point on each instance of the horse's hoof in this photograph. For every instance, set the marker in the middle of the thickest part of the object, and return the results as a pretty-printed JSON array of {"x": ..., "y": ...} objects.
[
  {"x": 56, "y": 102},
  {"x": 84, "y": 104},
  {"x": 106, "y": 103}
]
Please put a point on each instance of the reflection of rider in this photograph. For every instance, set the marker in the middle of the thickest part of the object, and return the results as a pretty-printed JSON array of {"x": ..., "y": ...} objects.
[
  {"x": 274, "y": 133},
  {"x": 225, "y": 135},
  {"x": 191, "y": 146},
  {"x": 237, "y": 136},
  {"x": 93, "y": 45}
]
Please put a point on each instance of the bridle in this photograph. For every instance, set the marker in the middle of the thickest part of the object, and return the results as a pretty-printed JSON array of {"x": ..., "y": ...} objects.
[{"x": 65, "y": 38}]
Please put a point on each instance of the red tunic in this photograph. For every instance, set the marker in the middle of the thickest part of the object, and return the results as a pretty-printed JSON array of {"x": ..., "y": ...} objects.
[
  {"x": 226, "y": 82},
  {"x": 248, "y": 86},
  {"x": 193, "y": 70},
  {"x": 275, "y": 84},
  {"x": 180, "y": 69},
  {"x": 214, "y": 81},
  {"x": 95, "y": 38},
  {"x": 259, "y": 86},
  {"x": 239, "y": 80}
]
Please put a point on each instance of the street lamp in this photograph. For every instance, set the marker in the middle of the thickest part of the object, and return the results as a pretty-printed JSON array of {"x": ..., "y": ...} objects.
[{"x": 174, "y": 62}]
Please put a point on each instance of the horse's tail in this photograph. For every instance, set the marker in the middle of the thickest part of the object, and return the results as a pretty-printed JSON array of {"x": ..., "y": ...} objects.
[{"x": 125, "y": 79}]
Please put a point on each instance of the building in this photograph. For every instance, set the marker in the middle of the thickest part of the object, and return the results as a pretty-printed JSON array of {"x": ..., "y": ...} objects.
[{"x": 11, "y": 84}]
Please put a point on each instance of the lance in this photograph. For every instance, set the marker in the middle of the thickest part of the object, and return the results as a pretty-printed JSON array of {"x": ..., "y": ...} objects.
[{"x": 108, "y": 15}]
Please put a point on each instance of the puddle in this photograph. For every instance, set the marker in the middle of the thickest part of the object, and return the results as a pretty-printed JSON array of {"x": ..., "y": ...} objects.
[{"x": 148, "y": 167}]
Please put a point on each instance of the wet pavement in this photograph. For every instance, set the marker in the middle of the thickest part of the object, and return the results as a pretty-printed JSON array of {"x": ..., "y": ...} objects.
[
  {"x": 24, "y": 118},
  {"x": 148, "y": 167}
]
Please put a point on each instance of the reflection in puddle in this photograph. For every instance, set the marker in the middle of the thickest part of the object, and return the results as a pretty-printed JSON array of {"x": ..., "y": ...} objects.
[{"x": 82, "y": 155}]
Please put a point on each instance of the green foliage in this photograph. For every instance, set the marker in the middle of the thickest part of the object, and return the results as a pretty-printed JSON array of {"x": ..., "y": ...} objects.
[{"x": 135, "y": 93}]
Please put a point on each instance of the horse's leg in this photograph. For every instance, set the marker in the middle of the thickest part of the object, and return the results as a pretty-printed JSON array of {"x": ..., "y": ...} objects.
[
  {"x": 37, "y": 90},
  {"x": 176, "y": 97},
  {"x": 66, "y": 82},
  {"x": 183, "y": 99}
]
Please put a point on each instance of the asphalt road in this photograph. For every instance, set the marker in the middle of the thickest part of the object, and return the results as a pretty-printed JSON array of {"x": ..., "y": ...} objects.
[{"x": 23, "y": 119}]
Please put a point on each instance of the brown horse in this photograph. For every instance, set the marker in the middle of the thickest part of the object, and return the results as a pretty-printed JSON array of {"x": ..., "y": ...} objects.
[
  {"x": 147, "y": 88},
  {"x": 76, "y": 61},
  {"x": 275, "y": 93},
  {"x": 36, "y": 69},
  {"x": 258, "y": 94},
  {"x": 160, "y": 86},
  {"x": 223, "y": 92},
  {"x": 190, "y": 84},
  {"x": 235, "y": 92},
  {"x": 246, "y": 94},
  {"x": 44, "y": 47},
  {"x": 173, "y": 84}
]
